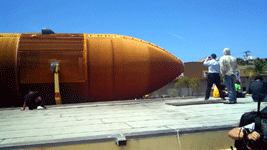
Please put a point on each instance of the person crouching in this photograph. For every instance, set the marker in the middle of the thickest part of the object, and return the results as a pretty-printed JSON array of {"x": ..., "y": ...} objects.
[{"x": 33, "y": 100}]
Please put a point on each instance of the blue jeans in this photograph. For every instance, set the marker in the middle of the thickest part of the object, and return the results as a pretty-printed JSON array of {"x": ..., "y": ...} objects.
[{"x": 229, "y": 82}]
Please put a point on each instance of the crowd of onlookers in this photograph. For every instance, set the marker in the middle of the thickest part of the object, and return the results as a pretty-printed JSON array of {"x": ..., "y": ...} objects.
[{"x": 229, "y": 86}]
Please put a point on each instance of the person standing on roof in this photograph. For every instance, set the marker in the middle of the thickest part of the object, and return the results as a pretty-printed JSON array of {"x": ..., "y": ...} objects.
[
  {"x": 228, "y": 65},
  {"x": 213, "y": 75}
]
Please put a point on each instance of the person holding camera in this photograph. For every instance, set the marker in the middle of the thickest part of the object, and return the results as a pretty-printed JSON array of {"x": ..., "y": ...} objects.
[
  {"x": 213, "y": 75},
  {"x": 247, "y": 131},
  {"x": 246, "y": 137},
  {"x": 251, "y": 133}
]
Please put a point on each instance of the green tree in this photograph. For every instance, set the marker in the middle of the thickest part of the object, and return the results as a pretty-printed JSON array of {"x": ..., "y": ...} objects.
[
  {"x": 194, "y": 82},
  {"x": 183, "y": 81},
  {"x": 264, "y": 68},
  {"x": 240, "y": 61},
  {"x": 173, "y": 93},
  {"x": 250, "y": 72},
  {"x": 258, "y": 64}
]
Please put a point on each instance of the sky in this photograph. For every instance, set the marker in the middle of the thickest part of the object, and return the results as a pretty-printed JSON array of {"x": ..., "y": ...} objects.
[{"x": 189, "y": 29}]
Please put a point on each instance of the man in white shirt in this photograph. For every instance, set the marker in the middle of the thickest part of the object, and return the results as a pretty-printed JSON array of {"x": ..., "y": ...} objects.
[
  {"x": 228, "y": 65},
  {"x": 213, "y": 75}
]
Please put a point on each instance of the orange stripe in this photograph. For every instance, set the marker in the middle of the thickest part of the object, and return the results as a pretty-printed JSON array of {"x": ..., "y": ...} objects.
[{"x": 57, "y": 94}]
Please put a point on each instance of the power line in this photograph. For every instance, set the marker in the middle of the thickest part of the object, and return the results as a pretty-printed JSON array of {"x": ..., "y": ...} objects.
[{"x": 246, "y": 56}]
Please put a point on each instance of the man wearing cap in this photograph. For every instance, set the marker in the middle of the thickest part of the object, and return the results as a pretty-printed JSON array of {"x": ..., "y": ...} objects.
[
  {"x": 258, "y": 89},
  {"x": 228, "y": 65},
  {"x": 213, "y": 75}
]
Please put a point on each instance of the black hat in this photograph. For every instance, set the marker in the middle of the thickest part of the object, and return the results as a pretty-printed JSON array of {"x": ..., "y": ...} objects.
[
  {"x": 258, "y": 77},
  {"x": 213, "y": 56}
]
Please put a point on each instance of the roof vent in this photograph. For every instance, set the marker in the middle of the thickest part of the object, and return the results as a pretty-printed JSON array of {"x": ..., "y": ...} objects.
[{"x": 47, "y": 31}]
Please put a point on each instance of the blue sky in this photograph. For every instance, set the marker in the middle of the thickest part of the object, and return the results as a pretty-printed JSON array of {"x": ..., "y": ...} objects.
[{"x": 189, "y": 29}]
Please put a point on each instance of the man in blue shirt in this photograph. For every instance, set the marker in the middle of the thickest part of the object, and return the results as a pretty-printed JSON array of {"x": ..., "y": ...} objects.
[{"x": 213, "y": 75}]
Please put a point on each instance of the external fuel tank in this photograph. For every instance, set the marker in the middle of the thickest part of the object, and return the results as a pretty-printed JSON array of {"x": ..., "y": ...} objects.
[{"x": 93, "y": 67}]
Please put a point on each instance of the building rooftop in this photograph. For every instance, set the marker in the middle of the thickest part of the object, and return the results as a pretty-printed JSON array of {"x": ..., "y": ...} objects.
[{"x": 70, "y": 122}]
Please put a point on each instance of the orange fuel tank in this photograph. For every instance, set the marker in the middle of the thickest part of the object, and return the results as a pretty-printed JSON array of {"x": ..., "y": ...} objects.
[{"x": 93, "y": 67}]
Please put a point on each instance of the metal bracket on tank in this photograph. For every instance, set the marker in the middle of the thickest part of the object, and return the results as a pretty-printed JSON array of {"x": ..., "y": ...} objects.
[{"x": 54, "y": 65}]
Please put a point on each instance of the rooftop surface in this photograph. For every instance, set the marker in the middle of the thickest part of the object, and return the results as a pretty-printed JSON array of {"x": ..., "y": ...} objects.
[{"x": 104, "y": 119}]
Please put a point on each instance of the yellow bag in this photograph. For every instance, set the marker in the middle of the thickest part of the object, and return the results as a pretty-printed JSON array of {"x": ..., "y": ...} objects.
[{"x": 216, "y": 92}]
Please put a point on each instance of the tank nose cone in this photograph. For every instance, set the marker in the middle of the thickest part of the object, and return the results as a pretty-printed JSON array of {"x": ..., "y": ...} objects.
[
  {"x": 164, "y": 67},
  {"x": 141, "y": 67},
  {"x": 123, "y": 67}
]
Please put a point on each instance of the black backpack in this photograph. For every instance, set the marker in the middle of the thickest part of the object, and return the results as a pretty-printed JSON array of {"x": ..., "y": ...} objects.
[{"x": 260, "y": 119}]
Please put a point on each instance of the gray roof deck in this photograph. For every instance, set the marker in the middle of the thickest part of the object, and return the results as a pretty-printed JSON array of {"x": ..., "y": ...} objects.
[{"x": 98, "y": 120}]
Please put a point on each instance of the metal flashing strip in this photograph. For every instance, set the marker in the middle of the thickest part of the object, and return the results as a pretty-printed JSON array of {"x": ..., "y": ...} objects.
[
  {"x": 61, "y": 142},
  {"x": 196, "y": 103},
  {"x": 113, "y": 137},
  {"x": 171, "y": 132}
]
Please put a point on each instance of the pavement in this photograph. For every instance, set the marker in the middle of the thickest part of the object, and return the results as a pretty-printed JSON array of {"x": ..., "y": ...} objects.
[{"x": 103, "y": 119}]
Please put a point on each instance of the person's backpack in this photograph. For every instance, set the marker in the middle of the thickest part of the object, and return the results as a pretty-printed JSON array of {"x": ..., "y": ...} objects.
[{"x": 260, "y": 119}]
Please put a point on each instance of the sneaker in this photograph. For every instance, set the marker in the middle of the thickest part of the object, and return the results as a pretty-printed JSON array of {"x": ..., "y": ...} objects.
[
  {"x": 40, "y": 107},
  {"x": 206, "y": 99}
]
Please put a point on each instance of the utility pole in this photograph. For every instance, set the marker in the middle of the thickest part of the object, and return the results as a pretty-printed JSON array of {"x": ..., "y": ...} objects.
[{"x": 246, "y": 56}]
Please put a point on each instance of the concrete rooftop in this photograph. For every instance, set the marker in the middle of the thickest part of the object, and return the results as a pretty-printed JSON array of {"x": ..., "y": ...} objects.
[{"x": 69, "y": 122}]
